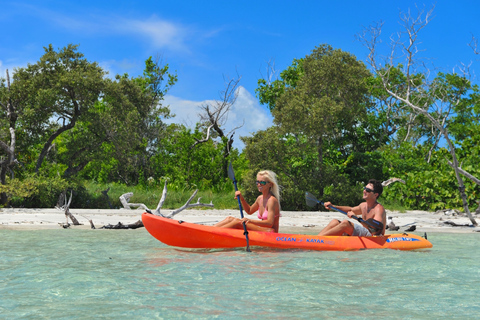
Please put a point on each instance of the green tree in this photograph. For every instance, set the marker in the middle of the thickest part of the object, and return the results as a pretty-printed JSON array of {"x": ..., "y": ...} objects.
[
  {"x": 125, "y": 129},
  {"x": 61, "y": 87},
  {"x": 320, "y": 106}
]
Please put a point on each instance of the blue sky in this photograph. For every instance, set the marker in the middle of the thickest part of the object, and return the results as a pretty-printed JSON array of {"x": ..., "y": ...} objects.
[{"x": 207, "y": 41}]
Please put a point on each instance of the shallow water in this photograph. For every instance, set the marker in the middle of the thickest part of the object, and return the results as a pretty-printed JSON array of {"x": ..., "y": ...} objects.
[{"x": 127, "y": 274}]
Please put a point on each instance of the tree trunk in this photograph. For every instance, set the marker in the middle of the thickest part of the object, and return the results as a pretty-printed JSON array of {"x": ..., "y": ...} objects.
[{"x": 3, "y": 181}]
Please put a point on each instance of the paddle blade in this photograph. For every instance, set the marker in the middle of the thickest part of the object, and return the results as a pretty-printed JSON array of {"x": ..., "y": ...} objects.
[
  {"x": 231, "y": 174},
  {"x": 311, "y": 200},
  {"x": 375, "y": 227}
]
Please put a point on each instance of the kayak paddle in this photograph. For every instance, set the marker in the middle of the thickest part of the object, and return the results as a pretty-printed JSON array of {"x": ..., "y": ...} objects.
[
  {"x": 231, "y": 175},
  {"x": 373, "y": 225}
]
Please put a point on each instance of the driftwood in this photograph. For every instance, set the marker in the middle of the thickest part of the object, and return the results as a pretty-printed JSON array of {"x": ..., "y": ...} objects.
[
  {"x": 392, "y": 180},
  {"x": 124, "y": 198},
  {"x": 391, "y": 226},
  {"x": 66, "y": 209},
  {"x": 453, "y": 224},
  {"x": 138, "y": 224}
]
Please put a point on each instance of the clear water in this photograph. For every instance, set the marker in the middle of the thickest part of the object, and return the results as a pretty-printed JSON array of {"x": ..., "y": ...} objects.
[{"x": 127, "y": 274}]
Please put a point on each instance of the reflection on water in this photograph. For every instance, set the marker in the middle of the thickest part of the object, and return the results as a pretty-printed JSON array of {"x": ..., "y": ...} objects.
[{"x": 128, "y": 274}]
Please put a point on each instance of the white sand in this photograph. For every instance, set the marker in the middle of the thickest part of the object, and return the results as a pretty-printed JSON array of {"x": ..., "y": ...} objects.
[{"x": 309, "y": 222}]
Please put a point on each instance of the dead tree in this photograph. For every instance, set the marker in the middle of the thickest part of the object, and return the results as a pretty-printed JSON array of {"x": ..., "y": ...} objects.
[
  {"x": 9, "y": 161},
  {"x": 418, "y": 94},
  {"x": 214, "y": 115}
]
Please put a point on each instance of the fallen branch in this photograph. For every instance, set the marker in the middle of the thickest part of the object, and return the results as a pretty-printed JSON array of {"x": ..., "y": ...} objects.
[
  {"x": 453, "y": 224},
  {"x": 136, "y": 225},
  {"x": 66, "y": 209},
  {"x": 188, "y": 205},
  {"x": 124, "y": 198},
  {"x": 392, "y": 180}
]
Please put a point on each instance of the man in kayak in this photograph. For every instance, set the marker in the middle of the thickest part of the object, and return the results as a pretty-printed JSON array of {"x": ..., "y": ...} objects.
[
  {"x": 267, "y": 205},
  {"x": 372, "y": 212}
]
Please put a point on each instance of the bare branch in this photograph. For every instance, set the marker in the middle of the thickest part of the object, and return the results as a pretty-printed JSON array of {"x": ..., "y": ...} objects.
[
  {"x": 198, "y": 141},
  {"x": 392, "y": 180},
  {"x": 162, "y": 199},
  {"x": 465, "y": 173},
  {"x": 215, "y": 113},
  {"x": 272, "y": 73},
  {"x": 474, "y": 45},
  {"x": 124, "y": 198},
  {"x": 188, "y": 205}
]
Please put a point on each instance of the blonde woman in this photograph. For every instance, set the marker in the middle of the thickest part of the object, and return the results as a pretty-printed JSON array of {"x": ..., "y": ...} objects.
[{"x": 267, "y": 205}]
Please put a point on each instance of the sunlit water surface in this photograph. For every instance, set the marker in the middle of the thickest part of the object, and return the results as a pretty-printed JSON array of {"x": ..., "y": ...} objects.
[{"x": 127, "y": 274}]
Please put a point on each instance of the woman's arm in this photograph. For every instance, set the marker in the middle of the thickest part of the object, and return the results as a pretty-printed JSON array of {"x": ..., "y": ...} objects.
[{"x": 246, "y": 207}]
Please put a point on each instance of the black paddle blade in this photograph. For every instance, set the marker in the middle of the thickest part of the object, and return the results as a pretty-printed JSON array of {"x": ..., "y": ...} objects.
[
  {"x": 231, "y": 174},
  {"x": 311, "y": 200},
  {"x": 375, "y": 227}
]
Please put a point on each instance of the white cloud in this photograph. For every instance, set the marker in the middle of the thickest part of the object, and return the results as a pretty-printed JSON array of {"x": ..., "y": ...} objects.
[
  {"x": 186, "y": 111},
  {"x": 160, "y": 33},
  {"x": 246, "y": 111}
]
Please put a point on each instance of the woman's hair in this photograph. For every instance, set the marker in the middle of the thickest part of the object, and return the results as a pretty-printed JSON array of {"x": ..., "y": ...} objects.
[{"x": 272, "y": 177}]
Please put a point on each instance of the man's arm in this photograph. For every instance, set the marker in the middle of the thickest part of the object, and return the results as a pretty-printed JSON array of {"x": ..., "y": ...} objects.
[
  {"x": 356, "y": 210},
  {"x": 376, "y": 225}
]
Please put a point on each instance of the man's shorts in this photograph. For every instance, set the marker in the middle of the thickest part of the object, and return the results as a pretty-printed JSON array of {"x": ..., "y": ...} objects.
[{"x": 360, "y": 231}]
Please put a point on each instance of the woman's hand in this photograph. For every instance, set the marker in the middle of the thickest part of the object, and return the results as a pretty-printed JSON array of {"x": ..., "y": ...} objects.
[{"x": 246, "y": 220}]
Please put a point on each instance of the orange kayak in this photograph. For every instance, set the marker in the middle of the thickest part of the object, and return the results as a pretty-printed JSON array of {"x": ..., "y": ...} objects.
[{"x": 190, "y": 235}]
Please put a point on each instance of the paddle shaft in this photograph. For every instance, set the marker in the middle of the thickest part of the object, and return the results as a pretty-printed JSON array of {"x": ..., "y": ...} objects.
[
  {"x": 245, "y": 232},
  {"x": 238, "y": 198},
  {"x": 341, "y": 211},
  {"x": 310, "y": 198}
]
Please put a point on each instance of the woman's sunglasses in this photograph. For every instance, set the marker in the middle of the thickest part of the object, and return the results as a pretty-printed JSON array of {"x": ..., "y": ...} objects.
[
  {"x": 261, "y": 182},
  {"x": 367, "y": 189}
]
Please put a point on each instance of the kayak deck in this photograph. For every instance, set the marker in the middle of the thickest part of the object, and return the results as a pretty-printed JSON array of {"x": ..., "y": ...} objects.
[{"x": 190, "y": 235}]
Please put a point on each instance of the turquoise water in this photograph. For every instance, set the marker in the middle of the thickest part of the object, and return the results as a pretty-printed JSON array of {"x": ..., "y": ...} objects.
[{"x": 127, "y": 274}]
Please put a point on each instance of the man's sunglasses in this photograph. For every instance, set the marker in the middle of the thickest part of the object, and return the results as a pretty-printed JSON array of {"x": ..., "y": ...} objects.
[
  {"x": 261, "y": 182},
  {"x": 367, "y": 189}
]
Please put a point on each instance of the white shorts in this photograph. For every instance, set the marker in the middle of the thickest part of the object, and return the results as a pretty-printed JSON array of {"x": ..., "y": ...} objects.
[{"x": 360, "y": 231}]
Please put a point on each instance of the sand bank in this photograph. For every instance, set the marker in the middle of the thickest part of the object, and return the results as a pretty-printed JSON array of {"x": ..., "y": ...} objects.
[{"x": 310, "y": 222}]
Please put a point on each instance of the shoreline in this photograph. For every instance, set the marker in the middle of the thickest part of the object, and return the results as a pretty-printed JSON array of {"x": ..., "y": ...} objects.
[{"x": 307, "y": 222}]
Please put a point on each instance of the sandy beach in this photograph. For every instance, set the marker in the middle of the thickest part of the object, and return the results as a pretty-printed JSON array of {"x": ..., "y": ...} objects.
[{"x": 308, "y": 222}]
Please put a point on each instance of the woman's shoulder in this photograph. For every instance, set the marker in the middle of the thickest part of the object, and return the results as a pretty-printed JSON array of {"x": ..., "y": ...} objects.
[{"x": 272, "y": 199}]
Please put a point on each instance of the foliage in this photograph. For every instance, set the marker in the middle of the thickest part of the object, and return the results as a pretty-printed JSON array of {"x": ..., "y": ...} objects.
[
  {"x": 323, "y": 115},
  {"x": 189, "y": 167},
  {"x": 429, "y": 186},
  {"x": 35, "y": 191},
  {"x": 268, "y": 92},
  {"x": 336, "y": 126}
]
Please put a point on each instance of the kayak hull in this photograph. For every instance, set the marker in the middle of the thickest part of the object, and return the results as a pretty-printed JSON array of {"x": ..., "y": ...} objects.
[{"x": 178, "y": 233}]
